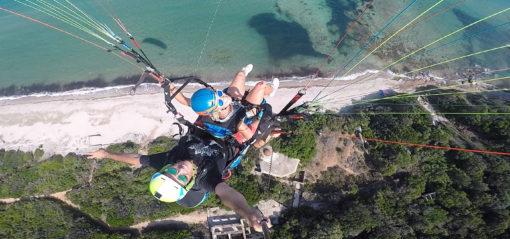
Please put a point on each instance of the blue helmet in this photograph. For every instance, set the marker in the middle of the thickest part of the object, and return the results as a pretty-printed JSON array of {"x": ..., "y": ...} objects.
[{"x": 204, "y": 101}]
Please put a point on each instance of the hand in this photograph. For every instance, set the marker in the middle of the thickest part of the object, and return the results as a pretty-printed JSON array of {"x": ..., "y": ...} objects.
[
  {"x": 256, "y": 220},
  {"x": 98, "y": 154}
]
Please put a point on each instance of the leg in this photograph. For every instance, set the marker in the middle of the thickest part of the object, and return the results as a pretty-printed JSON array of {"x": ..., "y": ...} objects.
[
  {"x": 262, "y": 89},
  {"x": 256, "y": 95},
  {"x": 264, "y": 126},
  {"x": 237, "y": 87}
]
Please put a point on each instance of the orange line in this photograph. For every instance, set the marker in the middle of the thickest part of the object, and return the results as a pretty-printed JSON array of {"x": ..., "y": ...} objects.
[
  {"x": 70, "y": 34},
  {"x": 58, "y": 29},
  {"x": 429, "y": 146}
]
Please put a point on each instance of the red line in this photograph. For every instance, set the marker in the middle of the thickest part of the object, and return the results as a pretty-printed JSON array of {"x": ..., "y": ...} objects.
[
  {"x": 343, "y": 38},
  {"x": 111, "y": 9},
  {"x": 58, "y": 29},
  {"x": 429, "y": 146},
  {"x": 159, "y": 79},
  {"x": 104, "y": 9},
  {"x": 115, "y": 18}
]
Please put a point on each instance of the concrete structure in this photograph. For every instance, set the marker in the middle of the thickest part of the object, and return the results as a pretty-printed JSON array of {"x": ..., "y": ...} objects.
[
  {"x": 276, "y": 164},
  {"x": 297, "y": 194},
  {"x": 228, "y": 225}
]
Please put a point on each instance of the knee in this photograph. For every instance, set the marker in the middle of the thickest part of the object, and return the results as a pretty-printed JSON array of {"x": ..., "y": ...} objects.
[{"x": 261, "y": 84}]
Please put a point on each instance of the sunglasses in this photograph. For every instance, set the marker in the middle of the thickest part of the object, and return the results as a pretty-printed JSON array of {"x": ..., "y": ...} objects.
[
  {"x": 173, "y": 171},
  {"x": 219, "y": 100}
]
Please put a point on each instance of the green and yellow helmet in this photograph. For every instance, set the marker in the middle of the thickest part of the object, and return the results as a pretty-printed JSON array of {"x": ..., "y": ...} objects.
[{"x": 166, "y": 189}]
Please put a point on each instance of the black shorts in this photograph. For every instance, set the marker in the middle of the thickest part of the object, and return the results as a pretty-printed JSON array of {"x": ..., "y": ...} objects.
[{"x": 266, "y": 123}]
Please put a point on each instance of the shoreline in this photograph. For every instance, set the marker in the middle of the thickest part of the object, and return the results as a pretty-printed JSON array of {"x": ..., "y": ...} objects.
[
  {"x": 112, "y": 89},
  {"x": 93, "y": 118},
  {"x": 36, "y": 89}
]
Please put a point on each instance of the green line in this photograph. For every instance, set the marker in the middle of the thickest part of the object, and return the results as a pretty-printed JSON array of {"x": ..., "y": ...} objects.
[
  {"x": 425, "y": 95},
  {"x": 462, "y": 93},
  {"x": 422, "y": 113},
  {"x": 98, "y": 26},
  {"x": 459, "y": 58},
  {"x": 76, "y": 16},
  {"x": 449, "y": 93},
  {"x": 394, "y": 34},
  {"x": 456, "y": 105},
  {"x": 434, "y": 42},
  {"x": 446, "y": 87},
  {"x": 56, "y": 12},
  {"x": 61, "y": 18},
  {"x": 440, "y": 88},
  {"x": 88, "y": 21}
]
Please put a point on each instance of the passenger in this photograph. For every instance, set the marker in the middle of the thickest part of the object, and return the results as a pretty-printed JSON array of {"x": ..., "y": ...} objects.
[{"x": 234, "y": 111}]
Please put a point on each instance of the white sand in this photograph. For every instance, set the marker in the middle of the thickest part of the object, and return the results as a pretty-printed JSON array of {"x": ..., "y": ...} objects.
[{"x": 68, "y": 124}]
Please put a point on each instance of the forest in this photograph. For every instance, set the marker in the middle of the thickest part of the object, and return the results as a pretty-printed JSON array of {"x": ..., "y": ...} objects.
[{"x": 405, "y": 191}]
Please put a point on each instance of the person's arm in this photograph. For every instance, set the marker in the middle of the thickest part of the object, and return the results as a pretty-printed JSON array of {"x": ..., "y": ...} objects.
[
  {"x": 180, "y": 97},
  {"x": 133, "y": 159},
  {"x": 236, "y": 201}
]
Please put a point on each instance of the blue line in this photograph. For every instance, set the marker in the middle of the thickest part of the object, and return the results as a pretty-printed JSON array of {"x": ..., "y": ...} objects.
[{"x": 377, "y": 35}]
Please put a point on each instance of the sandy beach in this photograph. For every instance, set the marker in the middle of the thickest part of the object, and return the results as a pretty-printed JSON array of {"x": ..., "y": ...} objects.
[{"x": 84, "y": 122}]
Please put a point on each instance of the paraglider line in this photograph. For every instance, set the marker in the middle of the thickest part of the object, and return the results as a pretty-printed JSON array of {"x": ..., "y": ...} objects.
[
  {"x": 428, "y": 146},
  {"x": 55, "y": 28},
  {"x": 341, "y": 40},
  {"x": 434, "y": 14},
  {"x": 432, "y": 43},
  {"x": 391, "y": 37},
  {"x": 366, "y": 46},
  {"x": 68, "y": 33},
  {"x": 423, "y": 113},
  {"x": 426, "y": 67}
]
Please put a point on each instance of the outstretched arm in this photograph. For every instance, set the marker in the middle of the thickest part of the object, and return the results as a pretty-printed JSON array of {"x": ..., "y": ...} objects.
[
  {"x": 236, "y": 201},
  {"x": 133, "y": 159},
  {"x": 180, "y": 97}
]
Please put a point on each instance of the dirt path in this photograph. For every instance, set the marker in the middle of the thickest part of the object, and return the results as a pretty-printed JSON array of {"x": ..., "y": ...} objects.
[
  {"x": 92, "y": 170},
  {"x": 196, "y": 217},
  {"x": 435, "y": 118},
  {"x": 9, "y": 200},
  {"x": 62, "y": 197}
]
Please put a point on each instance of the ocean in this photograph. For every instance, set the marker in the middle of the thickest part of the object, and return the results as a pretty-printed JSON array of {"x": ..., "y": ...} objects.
[{"x": 214, "y": 39}]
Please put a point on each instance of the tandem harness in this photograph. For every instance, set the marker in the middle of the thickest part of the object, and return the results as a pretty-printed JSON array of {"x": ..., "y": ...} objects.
[{"x": 228, "y": 142}]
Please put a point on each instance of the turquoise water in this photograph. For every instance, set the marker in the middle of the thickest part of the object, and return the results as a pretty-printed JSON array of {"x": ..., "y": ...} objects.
[{"x": 279, "y": 37}]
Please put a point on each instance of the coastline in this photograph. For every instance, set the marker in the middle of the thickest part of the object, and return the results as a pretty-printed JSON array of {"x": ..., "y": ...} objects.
[{"x": 84, "y": 120}]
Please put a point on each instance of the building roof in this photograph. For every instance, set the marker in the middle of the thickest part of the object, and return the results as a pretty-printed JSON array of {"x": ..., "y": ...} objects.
[{"x": 277, "y": 164}]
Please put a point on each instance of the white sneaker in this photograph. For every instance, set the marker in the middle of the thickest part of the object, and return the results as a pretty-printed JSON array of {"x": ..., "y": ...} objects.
[
  {"x": 247, "y": 69},
  {"x": 275, "y": 85}
]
